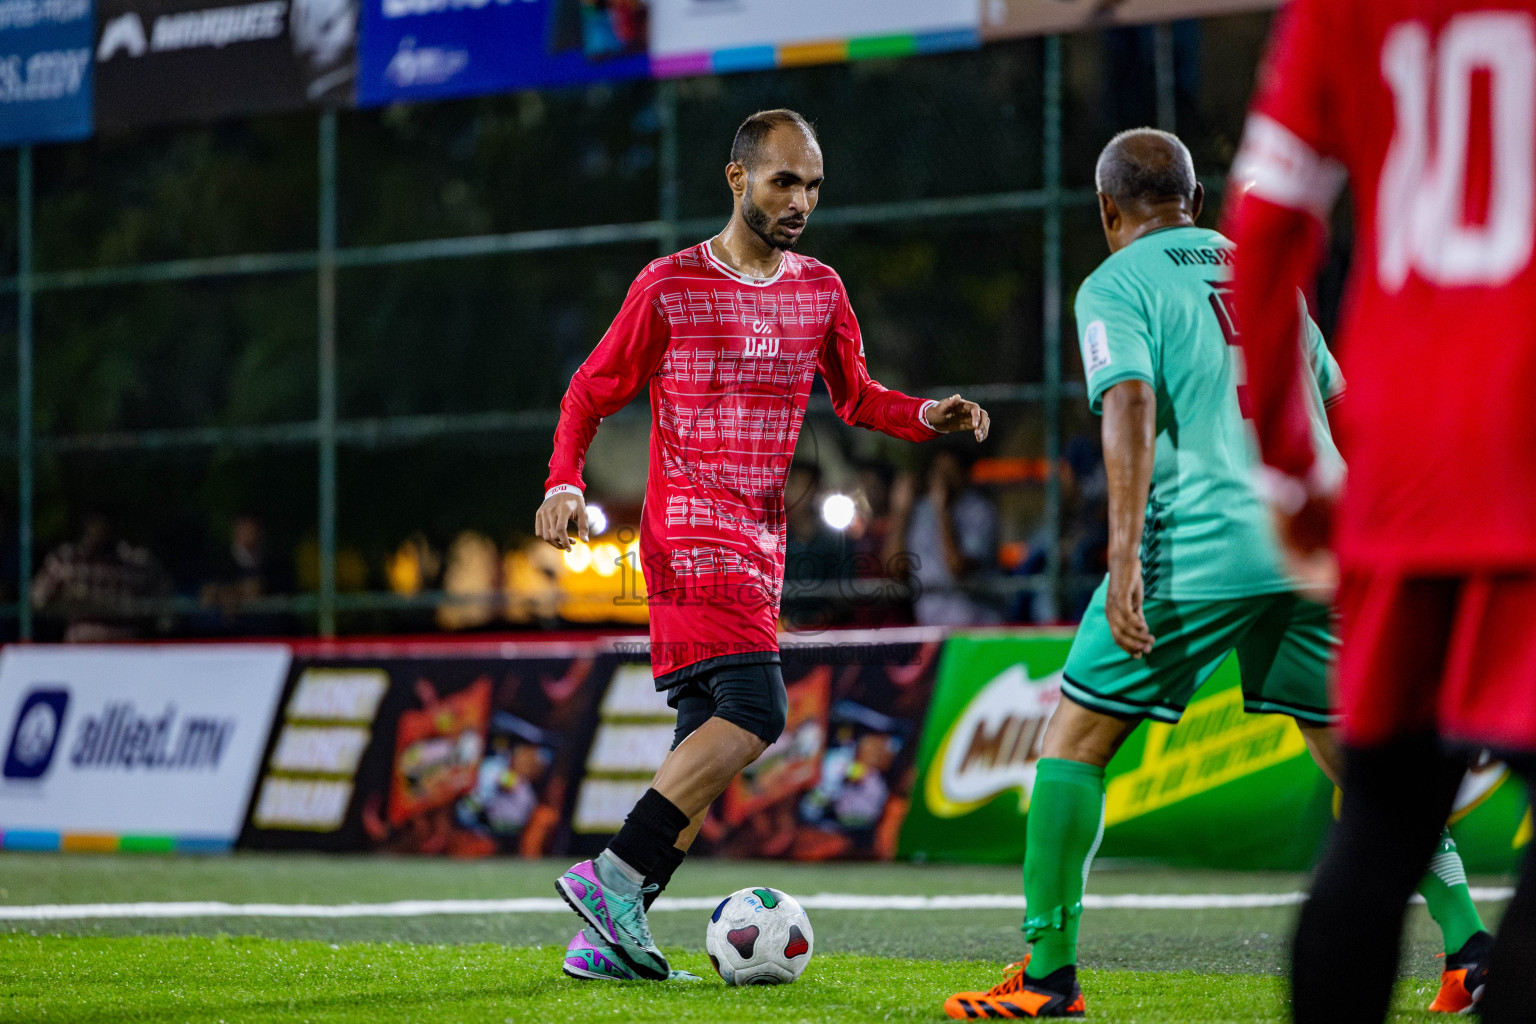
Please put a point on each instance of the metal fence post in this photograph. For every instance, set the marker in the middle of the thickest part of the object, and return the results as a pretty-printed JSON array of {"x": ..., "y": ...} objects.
[
  {"x": 327, "y": 345},
  {"x": 24, "y": 450},
  {"x": 666, "y": 165},
  {"x": 1050, "y": 332},
  {"x": 1164, "y": 83}
]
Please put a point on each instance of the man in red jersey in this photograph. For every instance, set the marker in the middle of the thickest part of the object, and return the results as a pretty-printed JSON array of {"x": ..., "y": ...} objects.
[
  {"x": 727, "y": 335},
  {"x": 1428, "y": 108}
]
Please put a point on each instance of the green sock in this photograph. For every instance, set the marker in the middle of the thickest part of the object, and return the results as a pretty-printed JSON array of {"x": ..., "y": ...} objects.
[
  {"x": 1066, "y": 822},
  {"x": 1450, "y": 902}
]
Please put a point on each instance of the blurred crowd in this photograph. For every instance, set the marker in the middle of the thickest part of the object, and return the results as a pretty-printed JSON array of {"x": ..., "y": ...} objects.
[{"x": 948, "y": 543}]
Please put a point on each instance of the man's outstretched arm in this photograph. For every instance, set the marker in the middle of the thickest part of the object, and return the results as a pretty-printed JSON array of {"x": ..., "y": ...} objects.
[
  {"x": 1130, "y": 436},
  {"x": 625, "y": 359},
  {"x": 861, "y": 402}
]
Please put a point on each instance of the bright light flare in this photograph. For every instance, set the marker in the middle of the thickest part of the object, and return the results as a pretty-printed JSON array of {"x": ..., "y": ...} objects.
[
  {"x": 837, "y": 511},
  {"x": 597, "y": 520},
  {"x": 579, "y": 558},
  {"x": 605, "y": 559}
]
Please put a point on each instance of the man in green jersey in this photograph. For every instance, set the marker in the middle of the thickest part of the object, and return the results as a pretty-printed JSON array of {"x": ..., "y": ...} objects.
[{"x": 1194, "y": 570}]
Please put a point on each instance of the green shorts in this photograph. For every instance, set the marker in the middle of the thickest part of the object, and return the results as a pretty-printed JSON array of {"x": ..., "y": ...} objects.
[{"x": 1285, "y": 646}]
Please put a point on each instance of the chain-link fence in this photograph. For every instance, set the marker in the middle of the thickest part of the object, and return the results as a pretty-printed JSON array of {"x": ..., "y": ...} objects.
[{"x": 356, "y": 333}]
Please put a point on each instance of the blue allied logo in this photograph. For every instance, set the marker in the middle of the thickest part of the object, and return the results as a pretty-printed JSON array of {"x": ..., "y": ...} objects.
[{"x": 35, "y": 736}]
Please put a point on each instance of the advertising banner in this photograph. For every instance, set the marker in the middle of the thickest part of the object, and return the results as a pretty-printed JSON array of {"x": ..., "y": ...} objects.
[
  {"x": 45, "y": 70},
  {"x": 467, "y": 756},
  {"x": 700, "y": 37},
  {"x": 175, "y": 60},
  {"x": 1220, "y": 789},
  {"x": 837, "y": 783},
  {"x": 419, "y": 49},
  {"x": 132, "y": 748},
  {"x": 1002, "y": 19}
]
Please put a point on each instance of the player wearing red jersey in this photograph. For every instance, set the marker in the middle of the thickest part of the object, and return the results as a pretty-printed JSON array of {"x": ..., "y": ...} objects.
[
  {"x": 1428, "y": 108},
  {"x": 727, "y": 336}
]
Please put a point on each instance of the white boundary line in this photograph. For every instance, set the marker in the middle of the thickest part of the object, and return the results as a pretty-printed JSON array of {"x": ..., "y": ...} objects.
[{"x": 551, "y": 905}]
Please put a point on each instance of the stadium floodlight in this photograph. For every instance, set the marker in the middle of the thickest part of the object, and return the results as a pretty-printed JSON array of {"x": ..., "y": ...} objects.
[
  {"x": 579, "y": 558},
  {"x": 597, "y": 520},
  {"x": 605, "y": 559},
  {"x": 837, "y": 511}
]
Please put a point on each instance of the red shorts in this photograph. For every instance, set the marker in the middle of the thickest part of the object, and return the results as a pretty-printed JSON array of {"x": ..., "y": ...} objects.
[{"x": 1454, "y": 655}]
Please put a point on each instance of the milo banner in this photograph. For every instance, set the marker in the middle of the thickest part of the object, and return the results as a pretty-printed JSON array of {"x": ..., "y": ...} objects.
[
  {"x": 467, "y": 756},
  {"x": 1002, "y": 19},
  {"x": 1221, "y": 789}
]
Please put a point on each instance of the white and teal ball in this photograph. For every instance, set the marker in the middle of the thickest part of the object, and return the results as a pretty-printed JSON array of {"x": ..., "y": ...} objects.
[{"x": 759, "y": 936}]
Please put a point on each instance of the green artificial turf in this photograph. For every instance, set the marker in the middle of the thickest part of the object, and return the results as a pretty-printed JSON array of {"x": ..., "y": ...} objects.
[
  {"x": 1230, "y": 941},
  {"x": 1172, "y": 966},
  {"x": 228, "y": 979}
]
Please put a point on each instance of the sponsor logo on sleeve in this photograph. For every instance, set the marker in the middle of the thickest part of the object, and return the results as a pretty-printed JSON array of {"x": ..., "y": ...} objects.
[{"x": 1095, "y": 348}]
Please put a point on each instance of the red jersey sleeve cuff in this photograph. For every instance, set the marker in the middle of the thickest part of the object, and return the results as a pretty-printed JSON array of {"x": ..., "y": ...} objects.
[{"x": 922, "y": 416}]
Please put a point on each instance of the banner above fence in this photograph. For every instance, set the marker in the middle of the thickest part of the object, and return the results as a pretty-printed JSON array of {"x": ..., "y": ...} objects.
[
  {"x": 700, "y": 37},
  {"x": 132, "y": 748},
  {"x": 420, "y": 49},
  {"x": 45, "y": 70},
  {"x": 1002, "y": 19},
  {"x": 180, "y": 60}
]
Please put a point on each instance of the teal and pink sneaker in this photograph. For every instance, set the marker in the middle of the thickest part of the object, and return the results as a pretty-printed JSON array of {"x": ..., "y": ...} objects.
[
  {"x": 589, "y": 958},
  {"x": 617, "y": 915}
]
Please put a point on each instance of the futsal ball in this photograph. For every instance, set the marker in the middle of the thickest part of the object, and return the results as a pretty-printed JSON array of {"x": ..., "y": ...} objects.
[{"x": 759, "y": 937}]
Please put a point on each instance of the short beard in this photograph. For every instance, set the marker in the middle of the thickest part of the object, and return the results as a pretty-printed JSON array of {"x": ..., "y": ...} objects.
[{"x": 761, "y": 224}]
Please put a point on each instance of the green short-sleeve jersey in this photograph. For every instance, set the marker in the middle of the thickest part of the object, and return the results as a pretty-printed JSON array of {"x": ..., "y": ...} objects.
[{"x": 1160, "y": 311}]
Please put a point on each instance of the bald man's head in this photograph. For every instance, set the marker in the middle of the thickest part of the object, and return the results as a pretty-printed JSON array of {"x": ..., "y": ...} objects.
[{"x": 1145, "y": 166}]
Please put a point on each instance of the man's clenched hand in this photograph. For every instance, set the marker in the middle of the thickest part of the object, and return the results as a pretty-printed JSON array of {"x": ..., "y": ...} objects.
[
  {"x": 955, "y": 414},
  {"x": 554, "y": 517}
]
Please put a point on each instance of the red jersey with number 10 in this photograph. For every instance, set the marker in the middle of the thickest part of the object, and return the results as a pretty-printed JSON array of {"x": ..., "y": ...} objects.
[
  {"x": 729, "y": 361},
  {"x": 1429, "y": 107}
]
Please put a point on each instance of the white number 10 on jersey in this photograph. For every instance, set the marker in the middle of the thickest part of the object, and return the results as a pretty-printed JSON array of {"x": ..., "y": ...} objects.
[{"x": 1421, "y": 211}]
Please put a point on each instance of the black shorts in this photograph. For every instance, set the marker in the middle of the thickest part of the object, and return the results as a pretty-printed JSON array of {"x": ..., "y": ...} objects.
[{"x": 750, "y": 696}]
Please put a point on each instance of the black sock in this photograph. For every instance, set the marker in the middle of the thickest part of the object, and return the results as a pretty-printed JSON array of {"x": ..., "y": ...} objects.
[
  {"x": 1396, "y": 799},
  {"x": 1512, "y": 972},
  {"x": 649, "y": 832},
  {"x": 666, "y": 863},
  {"x": 1062, "y": 981}
]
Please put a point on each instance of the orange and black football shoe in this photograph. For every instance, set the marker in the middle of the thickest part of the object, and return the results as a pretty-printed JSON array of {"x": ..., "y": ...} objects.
[
  {"x": 1020, "y": 997},
  {"x": 1464, "y": 977}
]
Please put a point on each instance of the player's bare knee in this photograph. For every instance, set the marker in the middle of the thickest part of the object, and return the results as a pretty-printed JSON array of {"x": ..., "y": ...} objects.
[{"x": 1077, "y": 733}]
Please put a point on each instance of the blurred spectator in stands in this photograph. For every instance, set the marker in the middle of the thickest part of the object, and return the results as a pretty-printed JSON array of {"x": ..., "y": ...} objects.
[
  {"x": 244, "y": 573},
  {"x": 93, "y": 583},
  {"x": 812, "y": 550},
  {"x": 1085, "y": 520},
  {"x": 875, "y": 604},
  {"x": 471, "y": 583},
  {"x": 950, "y": 534},
  {"x": 873, "y": 523},
  {"x": 1084, "y": 537},
  {"x": 814, "y": 554}
]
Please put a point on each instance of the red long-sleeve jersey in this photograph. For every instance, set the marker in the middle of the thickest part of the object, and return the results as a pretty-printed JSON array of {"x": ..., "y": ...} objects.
[
  {"x": 729, "y": 361},
  {"x": 1429, "y": 108}
]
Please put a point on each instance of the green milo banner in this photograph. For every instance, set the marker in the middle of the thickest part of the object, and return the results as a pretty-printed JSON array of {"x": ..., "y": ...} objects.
[{"x": 1221, "y": 789}]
